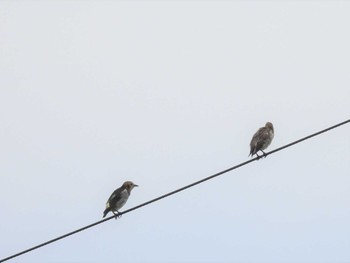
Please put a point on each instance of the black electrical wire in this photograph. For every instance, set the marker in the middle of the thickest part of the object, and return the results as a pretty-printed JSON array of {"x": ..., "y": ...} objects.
[{"x": 175, "y": 191}]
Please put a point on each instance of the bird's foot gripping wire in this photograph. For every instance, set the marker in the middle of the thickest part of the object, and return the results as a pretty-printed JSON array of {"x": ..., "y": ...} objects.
[
  {"x": 258, "y": 156},
  {"x": 117, "y": 215}
]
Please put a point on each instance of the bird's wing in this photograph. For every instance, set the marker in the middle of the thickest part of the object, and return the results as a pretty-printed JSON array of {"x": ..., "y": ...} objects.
[
  {"x": 115, "y": 196},
  {"x": 260, "y": 137}
]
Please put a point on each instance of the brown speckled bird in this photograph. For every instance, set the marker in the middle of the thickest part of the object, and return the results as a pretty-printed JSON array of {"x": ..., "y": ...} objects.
[
  {"x": 261, "y": 139},
  {"x": 118, "y": 198}
]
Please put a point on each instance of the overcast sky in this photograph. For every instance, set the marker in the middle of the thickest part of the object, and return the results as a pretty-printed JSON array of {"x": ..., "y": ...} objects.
[{"x": 94, "y": 93}]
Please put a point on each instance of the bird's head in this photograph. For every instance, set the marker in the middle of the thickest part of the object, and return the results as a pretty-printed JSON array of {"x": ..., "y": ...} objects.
[
  {"x": 269, "y": 125},
  {"x": 128, "y": 185}
]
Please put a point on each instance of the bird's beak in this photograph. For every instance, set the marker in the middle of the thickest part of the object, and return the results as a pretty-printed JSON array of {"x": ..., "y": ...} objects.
[{"x": 136, "y": 185}]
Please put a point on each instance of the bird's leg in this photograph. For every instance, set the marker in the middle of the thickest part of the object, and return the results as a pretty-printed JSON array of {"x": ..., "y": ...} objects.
[
  {"x": 116, "y": 215},
  {"x": 264, "y": 153},
  {"x": 258, "y": 156}
]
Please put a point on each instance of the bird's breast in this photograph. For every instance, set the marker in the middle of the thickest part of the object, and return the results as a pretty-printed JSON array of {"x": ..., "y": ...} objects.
[{"x": 124, "y": 195}]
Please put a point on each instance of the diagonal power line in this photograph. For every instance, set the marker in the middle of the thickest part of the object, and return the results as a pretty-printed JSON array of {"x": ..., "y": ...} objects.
[{"x": 174, "y": 192}]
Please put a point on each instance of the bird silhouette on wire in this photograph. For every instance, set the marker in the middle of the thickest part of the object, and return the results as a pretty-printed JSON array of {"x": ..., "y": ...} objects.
[
  {"x": 118, "y": 199},
  {"x": 261, "y": 140}
]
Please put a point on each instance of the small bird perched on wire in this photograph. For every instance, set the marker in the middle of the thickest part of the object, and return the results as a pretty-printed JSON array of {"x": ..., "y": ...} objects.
[
  {"x": 119, "y": 198},
  {"x": 261, "y": 139}
]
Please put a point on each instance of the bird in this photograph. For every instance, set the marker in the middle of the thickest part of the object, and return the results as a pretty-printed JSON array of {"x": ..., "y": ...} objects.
[
  {"x": 261, "y": 139},
  {"x": 118, "y": 198}
]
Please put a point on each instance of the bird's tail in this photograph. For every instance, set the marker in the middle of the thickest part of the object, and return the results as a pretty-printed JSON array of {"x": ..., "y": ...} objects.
[
  {"x": 252, "y": 151},
  {"x": 106, "y": 212}
]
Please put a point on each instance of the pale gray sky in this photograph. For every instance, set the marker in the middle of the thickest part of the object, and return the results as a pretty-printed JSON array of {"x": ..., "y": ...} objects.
[{"x": 164, "y": 93}]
